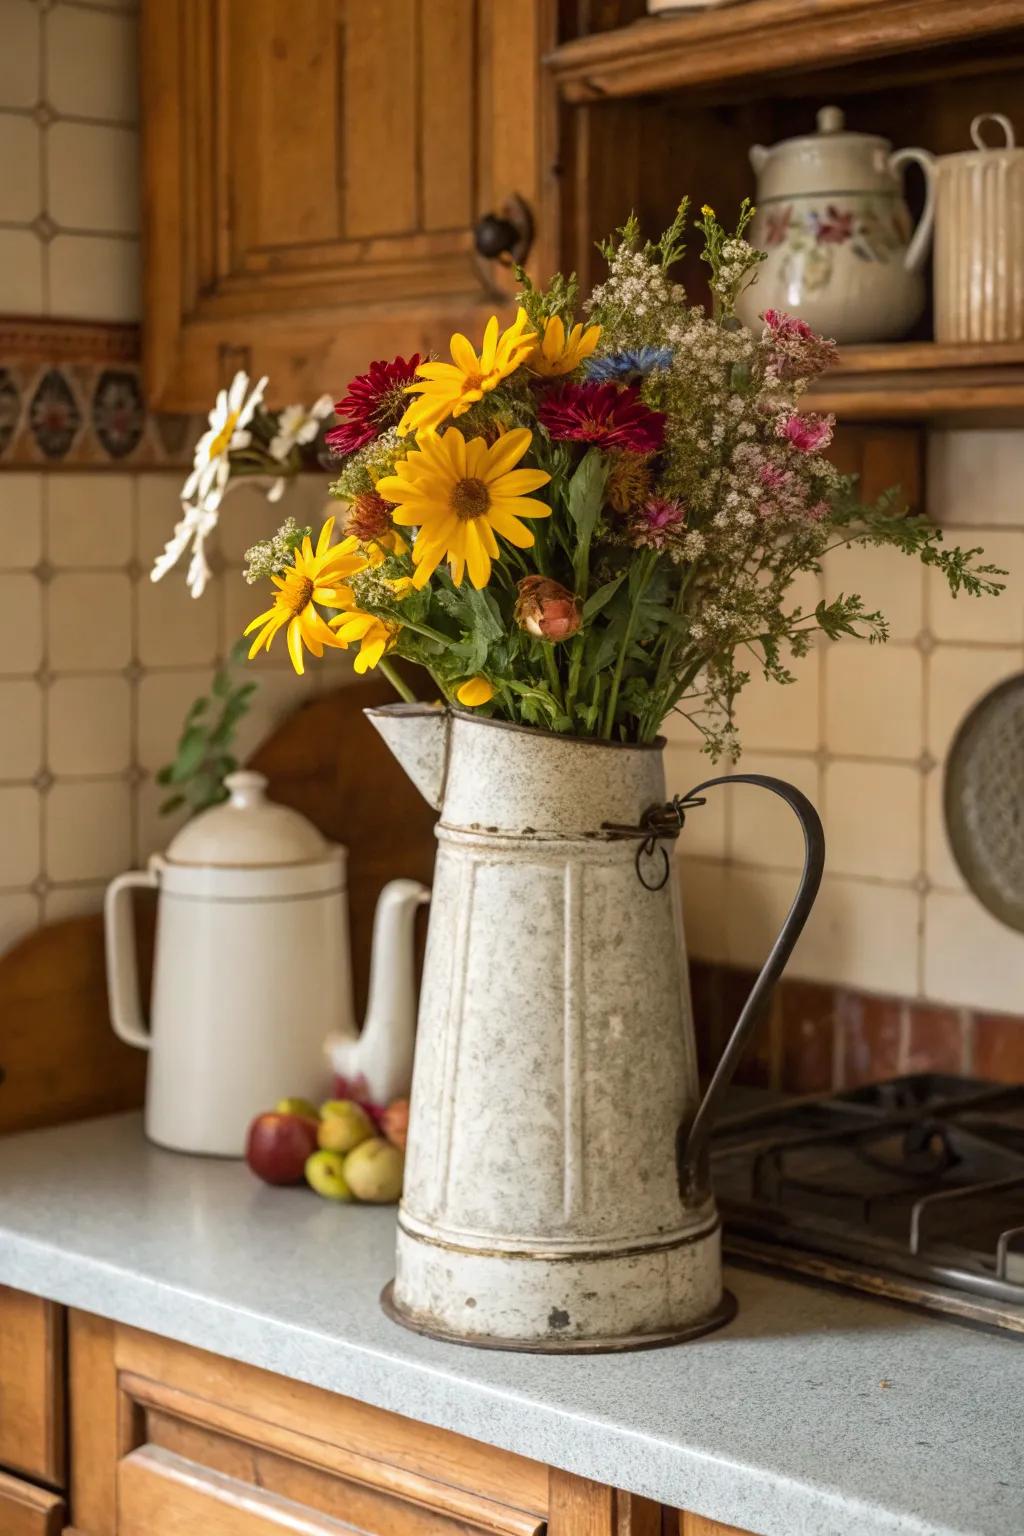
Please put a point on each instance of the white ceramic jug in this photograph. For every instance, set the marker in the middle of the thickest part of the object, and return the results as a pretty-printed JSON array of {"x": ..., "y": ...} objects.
[
  {"x": 556, "y": 1190},
  {"x": 833, "y": 221},
  {"x": 253, "y": 972}
]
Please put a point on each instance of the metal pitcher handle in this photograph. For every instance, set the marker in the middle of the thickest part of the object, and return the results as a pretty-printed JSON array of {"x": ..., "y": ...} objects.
[{"x": 693, "y": 1147}]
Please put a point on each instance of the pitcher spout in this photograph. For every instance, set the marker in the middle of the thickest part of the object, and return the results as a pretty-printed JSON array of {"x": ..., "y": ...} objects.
[{"x": 418, "y": 736}]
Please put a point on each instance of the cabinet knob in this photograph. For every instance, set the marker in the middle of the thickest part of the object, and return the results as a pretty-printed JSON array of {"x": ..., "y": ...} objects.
[{"x": 506, "y": 235}]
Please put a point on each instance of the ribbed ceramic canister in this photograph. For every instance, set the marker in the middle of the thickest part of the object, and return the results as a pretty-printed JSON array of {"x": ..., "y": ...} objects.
[{"x": 979, "y": 240}]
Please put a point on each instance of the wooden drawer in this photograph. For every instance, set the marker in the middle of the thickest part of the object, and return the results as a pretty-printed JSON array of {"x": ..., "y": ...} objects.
[
  {"x": 29, "y": 1511},
  {"x": 31, "y": 1387}
]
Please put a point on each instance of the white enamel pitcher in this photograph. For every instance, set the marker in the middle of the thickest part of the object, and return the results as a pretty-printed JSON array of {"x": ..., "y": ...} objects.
[
  {"x": 556, "y": 1192},
  {"x": 252, "y": 979}
]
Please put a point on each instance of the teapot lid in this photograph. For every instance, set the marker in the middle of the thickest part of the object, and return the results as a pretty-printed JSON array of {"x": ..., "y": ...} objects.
[
  {"x": 832, "y": 159},
  {"x": 248, "y": 831}
]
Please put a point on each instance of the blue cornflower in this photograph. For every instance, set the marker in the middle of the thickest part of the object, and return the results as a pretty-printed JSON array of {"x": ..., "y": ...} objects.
[{"x": 634, "y": 364}]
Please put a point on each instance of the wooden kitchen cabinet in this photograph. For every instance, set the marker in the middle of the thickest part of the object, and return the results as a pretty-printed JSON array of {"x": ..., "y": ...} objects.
[
  {"x": 26, "y": 1510},
  {"x": 31, "y": 1393},
  {"x": 311, "y": 184}
]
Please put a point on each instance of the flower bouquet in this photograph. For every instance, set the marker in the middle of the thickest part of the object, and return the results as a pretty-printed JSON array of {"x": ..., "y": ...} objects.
[{"x": 595, "y": 518}]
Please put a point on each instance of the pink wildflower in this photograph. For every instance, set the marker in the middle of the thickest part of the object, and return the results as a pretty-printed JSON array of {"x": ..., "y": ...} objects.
[
  {"x": 808, "y": 433},
  {"x": 653, "y": 525},
  {"x": 795, "y": 351}
]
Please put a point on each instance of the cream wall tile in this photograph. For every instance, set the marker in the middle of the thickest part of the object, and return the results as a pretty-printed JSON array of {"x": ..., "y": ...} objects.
[
  {"x": 95, "y": 277},
  {"x": 89, "y": 725},
  {"x": 998, "y": 618},
  {"x": 90, "y": 519},
  {"x": 155, "y": 831},
  {"x": 939, "y": 863},
  {"x": 88, "y": 830},
  {"x": 91, "y": 63},
  {"x": 704, "y": 835},
  {"x": 21, "y": 196},
  {"x": 970, "y": 958},
  {"x": 858, "y": 934},
  {"x": 158, "y": 508},
  {"x": 873, "y": 819},
  {"x": 19, "y": 914},
  {"x": 64, "y": 901},
  {"x": 20, "y": 859},
  {"x": 773, "y": 716},
  {"x": 21, "y": 623},
  {"x": 862, "y": 935},
  {"x": 90, "y": 622},
  {"x": 885, "y": 579},
  {"x": 21, "y": 272},
  {"x": 93, "y": 177},
  {"x": 958, "y": 677},
  {"x": 873, "y": 704},
  {"x": 176, "y": 629},
  {"x": 703, "y": 884},
  {"x": 19, "y": 55},
  {"x": 764, "y": 830},
  {"x": 247, "y": 516},
  {"x": 21, "y": 728},
  {"x": 164, "y": 699},
  {"x": 21, "y": 519},
  {"x": 975, "y": 477}
]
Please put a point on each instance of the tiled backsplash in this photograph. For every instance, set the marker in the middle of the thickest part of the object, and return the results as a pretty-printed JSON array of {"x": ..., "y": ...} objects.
[
  {"x": 97, "y": 668},
  {"x": 864, "y": 734},
  {"x": 69, "y": 141}
]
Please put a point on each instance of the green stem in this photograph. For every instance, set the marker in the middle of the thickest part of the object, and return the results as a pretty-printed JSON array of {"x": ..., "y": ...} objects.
[
  {"x": 551, "y": 667},
  {"x": 644, "y": 576},
  {"x": 399, "y": 684}
]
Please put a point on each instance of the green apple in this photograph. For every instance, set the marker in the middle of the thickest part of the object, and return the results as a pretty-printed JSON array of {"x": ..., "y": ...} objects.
[
  {"x": 373, "y": 1171},
  {"x": 343, "y": 1125},
  {"x": 297, "y": 1107},
  {"x": 325, "y": 1172}
]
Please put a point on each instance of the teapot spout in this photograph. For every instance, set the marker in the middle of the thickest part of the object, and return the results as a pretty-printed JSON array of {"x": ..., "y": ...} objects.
[
  {"x": 418, "y": 736},
  {"x": 377, "y": 1064}
]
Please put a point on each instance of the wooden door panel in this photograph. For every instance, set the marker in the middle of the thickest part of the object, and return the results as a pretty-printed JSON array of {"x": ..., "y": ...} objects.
[
  {"x": 29, "y": 1511},
  {"x": 31, "y": 1386},
  {"x": 310, "y": 191}
]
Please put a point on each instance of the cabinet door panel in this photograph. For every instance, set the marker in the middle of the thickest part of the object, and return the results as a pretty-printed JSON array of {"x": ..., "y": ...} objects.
[
  {"x": 29, "y": 1511},
  {"x": 31, "y": 1386},
  {"x": 311, "y": 191}
]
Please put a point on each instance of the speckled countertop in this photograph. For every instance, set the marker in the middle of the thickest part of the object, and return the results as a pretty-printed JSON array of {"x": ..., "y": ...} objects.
[{"x": 813, "y": 1414}]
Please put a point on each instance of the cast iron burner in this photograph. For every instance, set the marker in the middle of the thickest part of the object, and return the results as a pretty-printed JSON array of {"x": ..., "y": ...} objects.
[{"x": 912, "y": 1188}]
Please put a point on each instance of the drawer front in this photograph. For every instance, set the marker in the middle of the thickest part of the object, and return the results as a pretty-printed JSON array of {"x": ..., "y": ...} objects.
[
  {"x": 31, "y": 1386},
  {"x": 29, "y": 1511}
]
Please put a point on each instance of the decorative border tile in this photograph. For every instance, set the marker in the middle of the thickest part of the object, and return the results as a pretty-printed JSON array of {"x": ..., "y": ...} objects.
[{"x": 71, "y": 396}]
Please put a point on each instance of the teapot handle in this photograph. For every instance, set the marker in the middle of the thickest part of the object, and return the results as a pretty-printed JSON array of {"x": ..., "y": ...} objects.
[
  {"x": 692, "y": 1156},
  {"x": 126, "y": 1015},
  {"x": 919, "y": 240}
]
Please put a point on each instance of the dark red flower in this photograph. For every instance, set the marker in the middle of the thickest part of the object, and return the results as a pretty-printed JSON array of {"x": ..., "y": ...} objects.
[
  {"x": 376, "y": 400},
  {"x": 604, "y": 414}
]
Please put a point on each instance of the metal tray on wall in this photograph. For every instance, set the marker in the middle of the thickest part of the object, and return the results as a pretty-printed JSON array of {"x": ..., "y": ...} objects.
[{"x": 984, "y": 801}]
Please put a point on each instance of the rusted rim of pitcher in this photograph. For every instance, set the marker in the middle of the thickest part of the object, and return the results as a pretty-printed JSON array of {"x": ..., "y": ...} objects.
[
  {"x": 422, "y": 708},
  {"x": 725, "y": 1311}
]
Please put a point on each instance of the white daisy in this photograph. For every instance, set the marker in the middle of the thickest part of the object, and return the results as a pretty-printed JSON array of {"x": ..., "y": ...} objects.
[
  {"x": 211, "y": 466},
  {"x": 196, "y": 524},
  {"x": 297, "y": 426}
]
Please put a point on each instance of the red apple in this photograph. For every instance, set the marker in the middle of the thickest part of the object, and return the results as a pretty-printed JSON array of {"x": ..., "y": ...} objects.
[{"x": 278, "y": 1145}]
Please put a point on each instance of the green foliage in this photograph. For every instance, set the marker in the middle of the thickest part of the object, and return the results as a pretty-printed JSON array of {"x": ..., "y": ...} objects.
[{"x": 203, "y": 758}]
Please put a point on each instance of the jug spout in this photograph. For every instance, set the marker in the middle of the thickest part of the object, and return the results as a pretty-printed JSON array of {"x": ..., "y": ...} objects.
[
  {"x": 418, "y": 736},
  {"x": 376, "y": 1065}
]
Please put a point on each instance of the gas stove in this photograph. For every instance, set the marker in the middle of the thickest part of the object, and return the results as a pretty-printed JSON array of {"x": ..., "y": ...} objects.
[{"x": 912, "y": 1189}]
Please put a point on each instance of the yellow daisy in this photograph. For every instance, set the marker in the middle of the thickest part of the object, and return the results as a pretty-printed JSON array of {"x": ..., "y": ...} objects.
[
  {"x": 475, "y": 691},
  {"x": 459, "y": 495},
  {"x": 375, "y": 635},
  {"x": 556, "y": 353},
  {"x": 449, "y": 389},
  {"x": 315, "y": 577}
]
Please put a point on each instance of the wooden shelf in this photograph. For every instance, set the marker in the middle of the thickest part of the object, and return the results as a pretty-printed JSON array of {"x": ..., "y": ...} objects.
[
  {"x": 925, "y": 380},
  {"x": 764, "y": 37}
]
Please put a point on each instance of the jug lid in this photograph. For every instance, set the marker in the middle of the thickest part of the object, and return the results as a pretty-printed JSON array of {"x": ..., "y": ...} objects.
[
  {"x": 248, "y": 831},
  {"x": 832, "y": 159}
]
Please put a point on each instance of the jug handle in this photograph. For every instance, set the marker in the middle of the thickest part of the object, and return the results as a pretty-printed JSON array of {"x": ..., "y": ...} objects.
[
  {"x": 126, "y": 1015},
  {"x": 692, "y": 1159},
  {"x": 918, "y": 247}
]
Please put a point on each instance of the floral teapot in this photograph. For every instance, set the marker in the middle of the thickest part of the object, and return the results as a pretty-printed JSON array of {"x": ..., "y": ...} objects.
[{"x": 841, "y": 252}]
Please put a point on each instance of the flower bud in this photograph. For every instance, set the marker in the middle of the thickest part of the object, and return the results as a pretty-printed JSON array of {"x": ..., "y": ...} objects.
[{"x": 547, "y": 610}]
